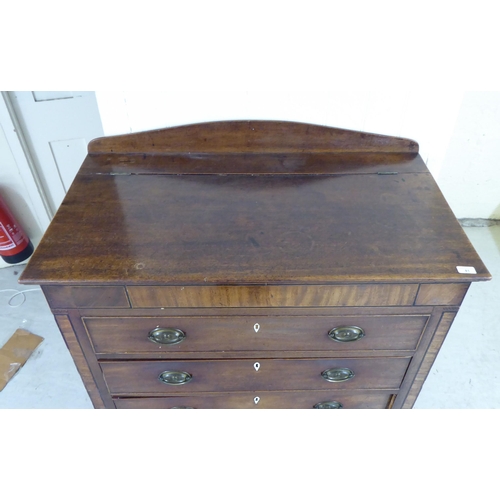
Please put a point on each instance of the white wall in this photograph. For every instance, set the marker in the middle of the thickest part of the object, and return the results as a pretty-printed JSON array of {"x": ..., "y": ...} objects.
[{"x": 470, "y": 174}]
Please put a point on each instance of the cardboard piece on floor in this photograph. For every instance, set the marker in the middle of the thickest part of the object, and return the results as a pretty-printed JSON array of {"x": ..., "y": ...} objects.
[{"x": 15, "y": 353}]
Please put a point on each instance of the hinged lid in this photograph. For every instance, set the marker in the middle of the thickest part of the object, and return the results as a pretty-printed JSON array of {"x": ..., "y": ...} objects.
[{"x": 253, "y": 203}]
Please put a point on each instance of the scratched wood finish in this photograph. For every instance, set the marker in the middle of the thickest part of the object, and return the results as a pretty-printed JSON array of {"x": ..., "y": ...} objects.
[
  {"x": 248, "y": 333},
  {"x": 74, "y": 348},
  {"x": 272, "y": 296},
  {"x": 141, "y": 377},
  {"x": 266, "y": 400},
  {"x": 251, "y": 136}
]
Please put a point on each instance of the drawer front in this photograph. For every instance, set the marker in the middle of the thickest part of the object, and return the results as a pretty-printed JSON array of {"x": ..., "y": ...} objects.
[
  {"x": 273, "y": 295},
  {"x": 264, "y": 401},
  {"x": 119, "y": 335},
  {"x": 143, "y": 377}
]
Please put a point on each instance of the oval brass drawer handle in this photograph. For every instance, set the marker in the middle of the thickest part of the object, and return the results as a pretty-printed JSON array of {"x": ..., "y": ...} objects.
[
  {"x": 328, "y": 405},
  {"x": 337, "y": 374},
  {"x": 175, "y": 378},
  {"x": 346, "y": 333},
  {"x": 166, "y": 336}
]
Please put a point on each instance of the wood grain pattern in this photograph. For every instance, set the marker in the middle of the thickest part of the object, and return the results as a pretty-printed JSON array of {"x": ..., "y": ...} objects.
[
  {"x": 219, "y": 226},
  {"x": 250, "y": 136},
  {"x": 441, "y": 295},
  {"x": 78, "y": 357},
  {"x": 258, "y": 311},
  {"x": 429, "y": 358},
  {"x": 68, "y": 297},
  {"x": 272, "y": 296},
  {"x": 243, "y": 229},
  {"x": 254, "y": 163},
  {"x": 128, "y": 335},
  {"x": 141, "y": 377},
  {"x": 267, "y": 400}
]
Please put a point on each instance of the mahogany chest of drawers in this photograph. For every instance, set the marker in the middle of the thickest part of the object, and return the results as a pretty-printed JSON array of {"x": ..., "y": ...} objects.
[{"x": 254, "y": 264}]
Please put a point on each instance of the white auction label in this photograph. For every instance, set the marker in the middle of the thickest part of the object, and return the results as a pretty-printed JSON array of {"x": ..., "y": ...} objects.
[{"x": 466, "y": 270}]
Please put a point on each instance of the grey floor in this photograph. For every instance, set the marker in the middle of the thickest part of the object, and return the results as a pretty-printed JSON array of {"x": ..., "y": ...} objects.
[{"x": 466, "y": 373}]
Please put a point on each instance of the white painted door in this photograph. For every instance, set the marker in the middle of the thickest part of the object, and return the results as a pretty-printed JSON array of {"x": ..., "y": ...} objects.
[{"x": 57, "y": 127}]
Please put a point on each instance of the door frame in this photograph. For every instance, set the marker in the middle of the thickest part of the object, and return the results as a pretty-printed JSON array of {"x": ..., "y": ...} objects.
[{"x": 25, "y": 164}]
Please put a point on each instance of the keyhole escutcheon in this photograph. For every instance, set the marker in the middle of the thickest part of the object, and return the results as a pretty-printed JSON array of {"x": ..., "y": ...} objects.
[
  {"x": 256, "y": 366},
  {"x": 256, "y": 399},
  {"x": 256, "y": 327}
]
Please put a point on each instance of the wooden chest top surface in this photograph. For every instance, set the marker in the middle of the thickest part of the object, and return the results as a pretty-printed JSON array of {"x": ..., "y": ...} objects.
[{"x": 299, "y": 216}]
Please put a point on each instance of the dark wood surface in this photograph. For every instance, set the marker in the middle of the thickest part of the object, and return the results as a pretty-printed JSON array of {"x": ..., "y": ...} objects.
[
  {"x": 267, "y": 400},
  {"x": 60, "y": 297},
  {"x": 254, "y": 163},
  {"x": 212, "y": 229},
  {"x": 440, "y": 294},
  {"x": 428, "y": 359},
  {"x": 251, "y": 136},
  {"x": 238, "y": 333},
  {"x": 141, "y": 377},
  {"x": 272, "y": 295},
  {"x": 71, "y": 340}
]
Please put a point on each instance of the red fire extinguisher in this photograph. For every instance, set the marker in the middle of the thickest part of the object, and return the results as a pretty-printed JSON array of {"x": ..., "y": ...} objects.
[{"x": 15, "y": 246}]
